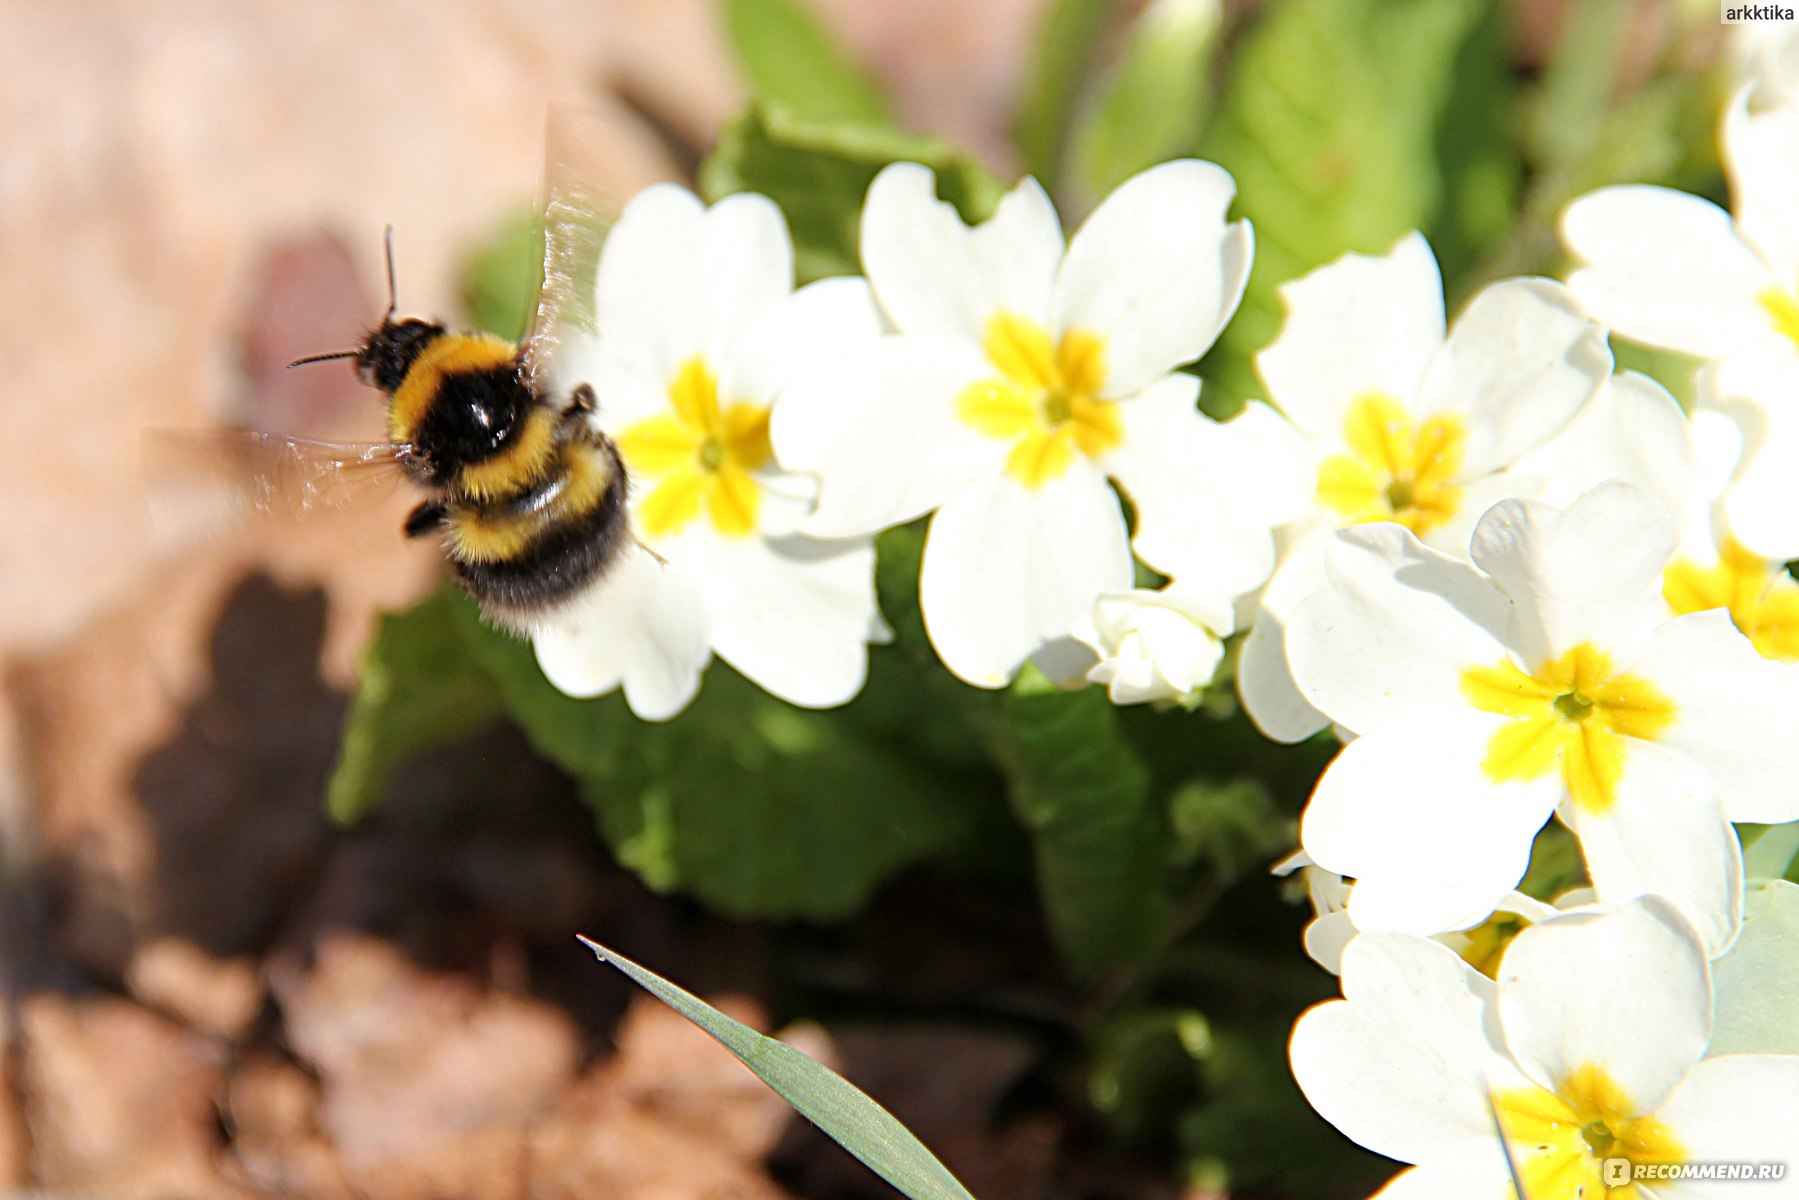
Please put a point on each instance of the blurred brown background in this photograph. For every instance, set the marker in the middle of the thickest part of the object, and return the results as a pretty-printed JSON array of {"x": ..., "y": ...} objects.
[{"x": 207, "y": 990}]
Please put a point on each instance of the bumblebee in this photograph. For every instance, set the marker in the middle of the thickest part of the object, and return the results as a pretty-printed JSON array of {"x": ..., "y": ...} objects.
[{"x": 525, "y": 491}]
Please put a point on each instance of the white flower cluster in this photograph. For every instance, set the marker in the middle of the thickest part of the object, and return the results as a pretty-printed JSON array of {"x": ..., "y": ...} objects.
[{"x": 1515, "y": 583}]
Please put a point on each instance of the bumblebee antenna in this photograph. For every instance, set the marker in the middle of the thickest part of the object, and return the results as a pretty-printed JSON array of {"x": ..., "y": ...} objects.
[
  {"x": 393, "y": 291},
  {"x": 312, "y": 358}
]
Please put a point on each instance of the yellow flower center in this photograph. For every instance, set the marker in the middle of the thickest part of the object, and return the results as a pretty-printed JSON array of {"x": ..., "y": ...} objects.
[
  {"x": 1562, "y": 1139},
  {"x": 1762, "y": 598},
  {"x": 1395, "y": 469},
  {"x": 1575, "y": 712},
  {"x": 700, "y": 457},
  {"x": 1045, "y": 399},
  {"x": 1782, "y": 308}
]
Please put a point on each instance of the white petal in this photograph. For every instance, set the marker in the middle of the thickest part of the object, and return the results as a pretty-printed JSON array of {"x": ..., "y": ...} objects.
[
  {"x": 1007, "y": 568},
  {"x": 1327, "y": 937},
  {"x": 1156, "y": 271},
  {"x": 1433, "y": 843},
  {"x": 1761, "y": 155},
  {"x": 879, "y": 429},
  {"x": 1155, "y": 645},
  {"x": 650, "y": 284},
  {"x": 919, "y": 258},
  {"x": 1389, "y": 640},
  {"x": 1362, "y": 324},
  {"x": 1665, "y": 834},
  {"x": 833, "y": 317},
  {"x": 793, "y": 614},
  {"x": 1017, "y": 250},
  {"x": 1756, "y": 982},
  {"x": 1738, "y": 713},
  {"x": 1589, "y": 574},
  {"x": 1459, "y": 1179},
  {"x": 1666, "y": 268},
  {"x": 1627, "y": 990},
  {"x": 1264, "y": 678},
  {"x": 746, "y": 264},
  {"x": 645, "y": 626},
  {"x": 1520, "y": 361},
  {"x": 1397, "y": 1065},
  {"x": 1632, "y": 430},
  {"x": 1757, "y": 386},
  {"x": 1738, "y": 1109},
  {"x": 1207, "y": 495}
]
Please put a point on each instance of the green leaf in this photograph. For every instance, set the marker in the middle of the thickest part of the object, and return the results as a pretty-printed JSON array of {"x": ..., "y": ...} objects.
[
  {"x": 791, "y": 60},
  {"x": 1329, "y": 122},
  {"x": 417, "y": 689},
  {"x": 753, "y": 806},
  {"x": 1073, "y": 780},
  {"x": 500, "y": 281},
  {"x": 1230, "y": 826},
  {"x": 1084, "y": 796},
  {"x": 844, "y": 1112},
  {"x": 818, "y": 172},
  {"x": 1757, "y": 982},
  {"x": 1062, "y": 58},
  {"x": 1152, "y": 103}
]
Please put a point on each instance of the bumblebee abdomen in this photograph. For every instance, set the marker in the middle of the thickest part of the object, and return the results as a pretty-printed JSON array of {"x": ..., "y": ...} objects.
[{"x": 541, "y": 547}]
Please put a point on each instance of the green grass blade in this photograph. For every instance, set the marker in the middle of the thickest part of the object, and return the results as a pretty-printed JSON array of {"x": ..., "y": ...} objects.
[{"x": 826, "y": 1099}]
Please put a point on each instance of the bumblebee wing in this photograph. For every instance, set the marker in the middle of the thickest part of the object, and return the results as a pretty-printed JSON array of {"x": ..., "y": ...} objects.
[
  {"x": 574, "y": 227},
  {"x": 200, "y": 481}
]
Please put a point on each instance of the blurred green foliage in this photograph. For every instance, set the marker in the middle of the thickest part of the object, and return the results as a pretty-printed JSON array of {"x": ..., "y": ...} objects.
[{"x": 1147, "y": 831}]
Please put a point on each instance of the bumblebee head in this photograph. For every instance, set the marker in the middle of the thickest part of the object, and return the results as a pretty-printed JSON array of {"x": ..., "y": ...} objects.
[{"x": 388, "y": 354}]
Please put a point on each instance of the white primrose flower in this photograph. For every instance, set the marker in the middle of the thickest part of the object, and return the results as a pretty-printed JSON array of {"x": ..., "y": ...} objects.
[
  {"x": 1588, "y": 1048},
  {"x": 1676, "y": 271},
  {"x": 1025, "y": 378},
  {"x": 1154, "y": 645},
  {"x": 1635, "y": 430},
  {"x": 699, "y": 327},
  {"x": 1404, "y": 422},
  {"x": 1544, "y": 678}
]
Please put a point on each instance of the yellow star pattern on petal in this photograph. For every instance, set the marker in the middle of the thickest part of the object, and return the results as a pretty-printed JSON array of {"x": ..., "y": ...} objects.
[
  {"x": 1561, "y": 1139},
  {"x": 1575, "y": 712},
  {"x": 1045, "y": 399},
  {"x": 1396, "y": 469},
  {"x": 700, "y": 456},
  {"x": 1762, "y": 598}
]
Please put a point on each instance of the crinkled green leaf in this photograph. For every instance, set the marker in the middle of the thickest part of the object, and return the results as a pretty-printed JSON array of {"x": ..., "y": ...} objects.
[
  {"x": 1062, "y": 57},
  {"x": 1757, "y": 982},
  {"x": 1229, "y": 826},
  {"x": 1329, "y": 122},
  {"x": 791, "y": 60},
  {"x": 819, "y": 171},
  {"x": 417, "y": 689},
  {"x": 1074, "y": 783},
  {"x": 1152, "y": 103},
  {"x": 844, "y": 1112},
  {"x": 756, "y": 807}
]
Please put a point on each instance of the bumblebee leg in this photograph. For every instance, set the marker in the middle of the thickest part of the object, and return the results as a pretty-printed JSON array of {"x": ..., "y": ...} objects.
[
  {"x": 425, "y": 518},
  {"x": 648, "y": 551},
  {"x": 582, "y": 400}
]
